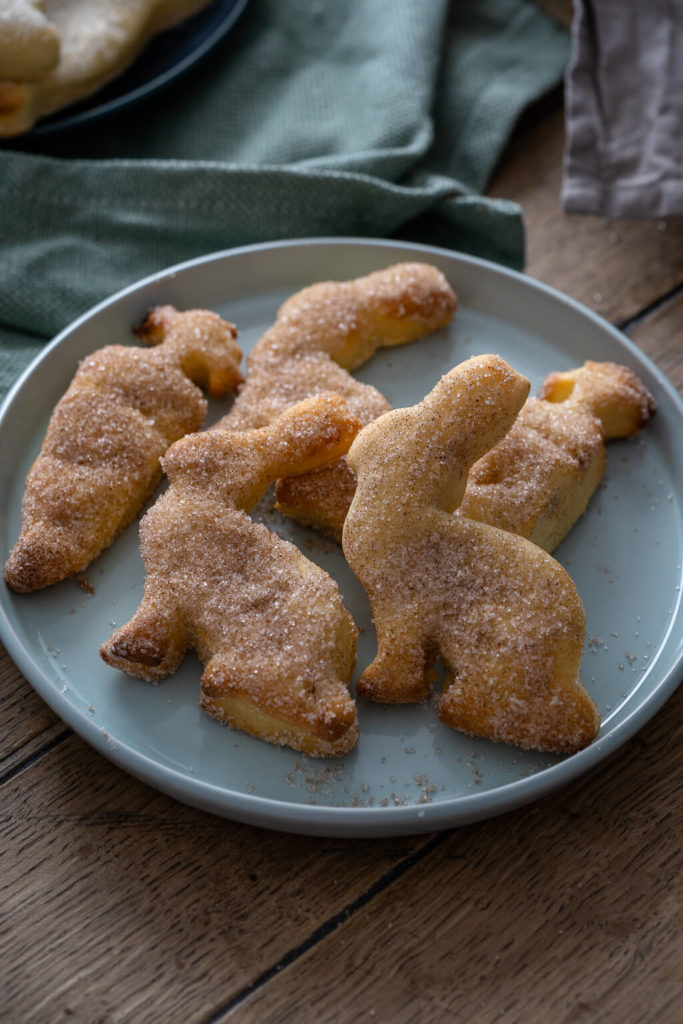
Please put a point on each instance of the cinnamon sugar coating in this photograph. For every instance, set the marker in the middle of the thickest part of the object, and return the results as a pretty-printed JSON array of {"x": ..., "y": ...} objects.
[
  {"x": 537, "y": 481},
  {"x": 320, "y": 334},
  {"x": 277, "y": 644},
  {"x": 100, "y": 459},
  {"x": 612, "y": 393},
  {"x": 500, "y": 613}
]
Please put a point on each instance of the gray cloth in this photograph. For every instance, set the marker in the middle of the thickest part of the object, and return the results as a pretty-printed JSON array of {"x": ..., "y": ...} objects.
[{"x": 624, "y": 109}]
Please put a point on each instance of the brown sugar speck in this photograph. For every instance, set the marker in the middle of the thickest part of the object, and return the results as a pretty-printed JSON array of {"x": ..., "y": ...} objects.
[{"x": 84, "y": 583}]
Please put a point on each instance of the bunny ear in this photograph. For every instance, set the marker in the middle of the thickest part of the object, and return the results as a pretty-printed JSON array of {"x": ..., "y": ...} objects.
[
  {"x": 612, "y": 393},
  {"x": 350, "y": 320},
  {"x": 484, "y": 395},
  {"x": 156, "y": 324},
  {"x": 306, "y": 436},
  {"x": 421, "y": 455},
  {"x": 240, "y": 465},
  {"x": 198, "y": 342}
]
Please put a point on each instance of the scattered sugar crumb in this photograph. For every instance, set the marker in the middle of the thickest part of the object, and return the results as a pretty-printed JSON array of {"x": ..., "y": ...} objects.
[{"x": 84, "y": 583}]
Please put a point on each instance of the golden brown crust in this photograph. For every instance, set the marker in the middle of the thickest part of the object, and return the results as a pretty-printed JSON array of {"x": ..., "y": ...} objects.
[
  {"x": 320, "y": 500},
  {"x": 99, "y": 461},
  {"x": 14, "y": 97},
  {"x": 350, "y": 320},
  {"x": 503, "y": 616},
  {"x": 82, "y": 47},
  {"x": 608, "y": 391},
  {"x": 269, "y": 626},
  {"x": 537, "y": 481},
  {"x": 240, "y": 713},
  {"x": 327, "y": 329},
  {"x": 29, "y": 43}
]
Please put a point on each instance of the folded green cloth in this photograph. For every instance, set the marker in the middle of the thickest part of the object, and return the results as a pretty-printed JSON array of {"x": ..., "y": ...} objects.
[{"x": 313, "y": 117}]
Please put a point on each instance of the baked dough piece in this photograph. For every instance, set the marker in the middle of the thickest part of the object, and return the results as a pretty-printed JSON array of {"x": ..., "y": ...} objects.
[
  {"x": 98, "y": 39},
  {"x": 99, "y": 461},
  {"x": 501, "y": 614},
  {"x": 29, "y": 44},
  {"x": 320, "y": 334},
  {"x": 537, "y": 481},
  {"x": 277, "y": 644}
]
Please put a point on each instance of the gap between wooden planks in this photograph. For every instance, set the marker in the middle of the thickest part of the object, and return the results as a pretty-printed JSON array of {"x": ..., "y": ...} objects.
[
  {"x": 121, "y": 904},
  {"x": 29, "y": 727}
]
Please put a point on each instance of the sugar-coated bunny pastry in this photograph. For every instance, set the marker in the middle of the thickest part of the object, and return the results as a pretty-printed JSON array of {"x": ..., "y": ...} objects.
[
  {"x": 500, "y": 613},
  {"x": 277, "y": 644},
  {"x": 29, "y": 43},
  {"x": 54, "y": 53},
  {"x": 320, "y": 334},
  {"x": 99, "y": 461},
  {"x": 537, "y": 481}
]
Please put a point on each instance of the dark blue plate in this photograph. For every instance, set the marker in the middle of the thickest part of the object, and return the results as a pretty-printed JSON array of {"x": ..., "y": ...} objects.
[{"x": 165, "y": 58}]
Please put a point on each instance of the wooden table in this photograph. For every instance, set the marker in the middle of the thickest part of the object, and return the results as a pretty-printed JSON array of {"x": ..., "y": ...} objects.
[{"x": 121, "y": 905}]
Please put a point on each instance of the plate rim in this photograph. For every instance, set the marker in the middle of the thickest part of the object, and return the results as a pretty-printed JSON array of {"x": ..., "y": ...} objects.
[{"x": 321, "y": 819}]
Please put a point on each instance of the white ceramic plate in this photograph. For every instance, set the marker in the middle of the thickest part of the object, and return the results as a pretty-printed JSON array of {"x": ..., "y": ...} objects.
[{"x": 409, "y": 772}]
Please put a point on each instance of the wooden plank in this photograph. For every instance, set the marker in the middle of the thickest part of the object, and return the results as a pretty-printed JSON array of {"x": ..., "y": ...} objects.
[
  {"x": 121, "y": 905},
  {"x": 660, "y": 335},
  {"x": 565, "y": 911},
  {"x": 616, "y": 268},
  {"x": 28, "y": 724}
]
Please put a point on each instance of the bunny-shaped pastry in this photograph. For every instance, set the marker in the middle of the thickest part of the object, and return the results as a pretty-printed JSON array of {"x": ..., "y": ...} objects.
[
  {"x": 500, "y": 613},
  {"x": 99, "y": 461},
  {"x": 277, "y": 644}
]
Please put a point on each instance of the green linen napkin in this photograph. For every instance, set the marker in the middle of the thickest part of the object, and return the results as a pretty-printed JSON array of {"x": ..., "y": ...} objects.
[{"x": 313, "y": 117}]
